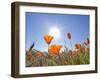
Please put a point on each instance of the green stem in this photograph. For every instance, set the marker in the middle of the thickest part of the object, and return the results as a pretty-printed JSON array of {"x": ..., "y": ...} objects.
[
  {"x": 48, "y": 47},
  {"x": 71, "y": 45},
  {"x": 60, "y": 59}
]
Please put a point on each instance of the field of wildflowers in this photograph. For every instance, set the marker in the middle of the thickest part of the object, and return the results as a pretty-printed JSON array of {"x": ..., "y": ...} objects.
[{"x": 77, "y": 55}]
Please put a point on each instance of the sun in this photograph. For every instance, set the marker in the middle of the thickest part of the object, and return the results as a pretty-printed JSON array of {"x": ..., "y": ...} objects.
[{"x": 55, "y": 32}]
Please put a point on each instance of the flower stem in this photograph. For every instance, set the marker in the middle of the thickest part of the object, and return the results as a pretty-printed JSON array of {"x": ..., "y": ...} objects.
[
  {"x": 71, "y": 45},
  {"x": 48, "y": 47}
]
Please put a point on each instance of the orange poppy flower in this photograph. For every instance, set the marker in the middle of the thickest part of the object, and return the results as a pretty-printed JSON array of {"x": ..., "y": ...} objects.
[
  {"x": 77, "y": 46},
  {"x": 48, "y": 39},
  {"x": 69, "y": 35},
  {"x": 54, "y": 49}
]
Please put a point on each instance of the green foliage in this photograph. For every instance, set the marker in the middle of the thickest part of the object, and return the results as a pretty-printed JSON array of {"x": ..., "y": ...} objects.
[{"x": 64, "y": 58}]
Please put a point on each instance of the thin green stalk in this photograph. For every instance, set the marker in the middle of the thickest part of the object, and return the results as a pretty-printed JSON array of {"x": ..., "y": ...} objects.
[
  {"x": 48, "y": 47},
  {"x": 71, "y": 45}
]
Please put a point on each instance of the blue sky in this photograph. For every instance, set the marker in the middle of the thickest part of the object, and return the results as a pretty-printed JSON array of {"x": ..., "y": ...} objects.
[{"x": 39, "y": 24}]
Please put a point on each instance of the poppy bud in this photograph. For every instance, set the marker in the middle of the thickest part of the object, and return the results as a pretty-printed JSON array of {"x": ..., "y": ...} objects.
[
  {"x": 88, "y": 41},
  {"x": 77, "y": 46},
  {"x": 69, "y": 35}
]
